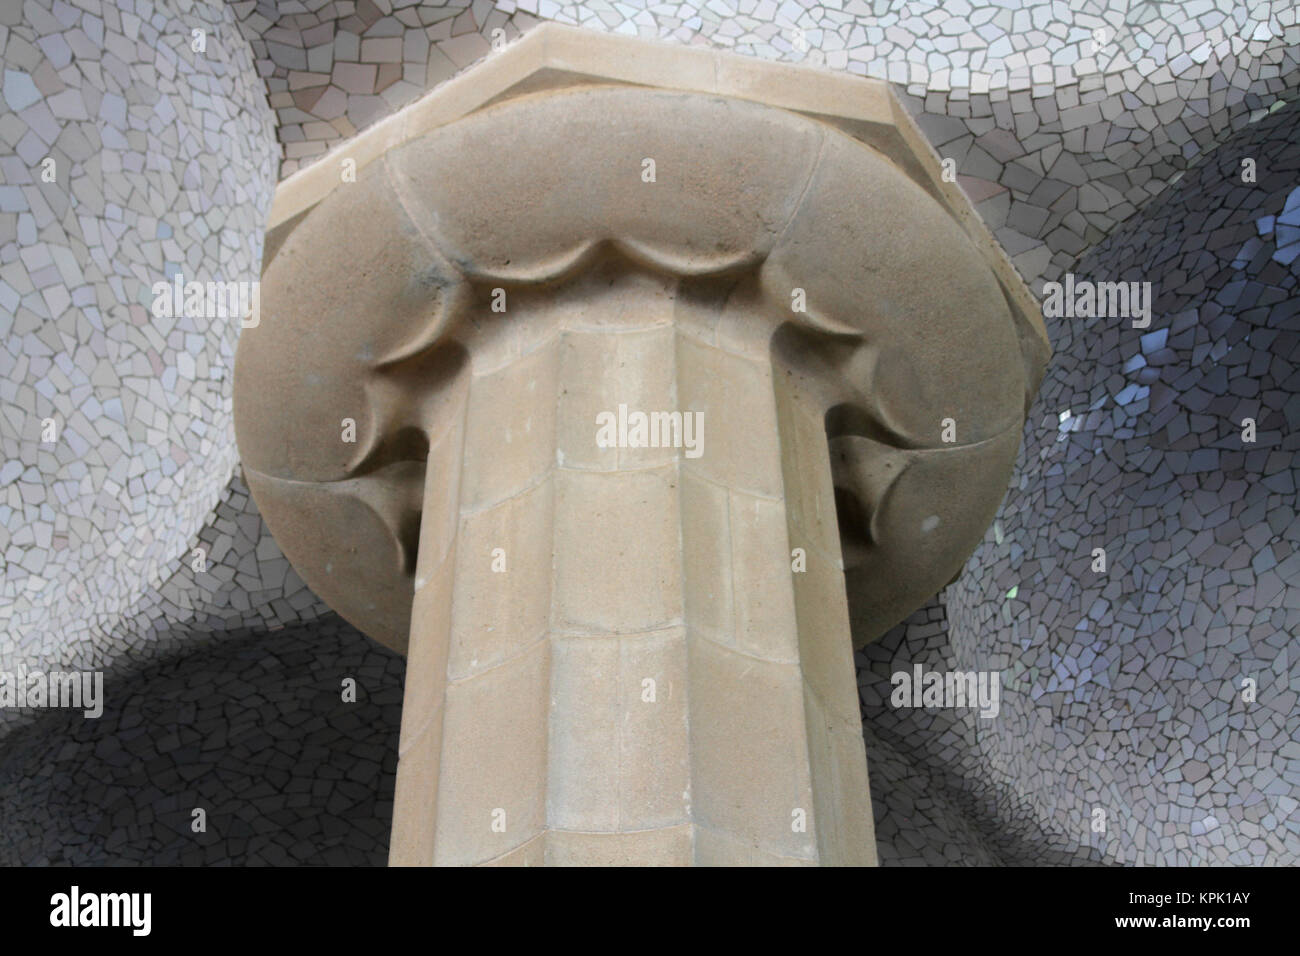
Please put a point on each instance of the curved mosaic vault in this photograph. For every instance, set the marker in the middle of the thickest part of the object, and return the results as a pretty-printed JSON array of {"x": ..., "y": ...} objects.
[
  {"x": 128, "y": 158},
  {"x": 513, "y": 275},
  {"x": 1138, "y": 448},
  {"x": 1062, "y": 118},
  {"x": 1124, "y": 689},
  {"x": 249, "y": 727}
]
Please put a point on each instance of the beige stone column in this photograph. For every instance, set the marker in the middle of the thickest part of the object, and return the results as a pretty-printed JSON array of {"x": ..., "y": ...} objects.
[
  {"x": 632, "y": 654},
  {"x": 611, "y": 660}
]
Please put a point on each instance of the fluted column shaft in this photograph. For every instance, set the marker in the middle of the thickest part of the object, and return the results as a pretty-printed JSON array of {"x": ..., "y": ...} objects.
[{"x": 611, "y": 659}]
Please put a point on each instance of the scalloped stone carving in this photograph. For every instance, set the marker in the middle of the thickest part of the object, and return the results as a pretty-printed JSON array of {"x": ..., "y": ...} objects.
[{"x": 630, "y": 654}]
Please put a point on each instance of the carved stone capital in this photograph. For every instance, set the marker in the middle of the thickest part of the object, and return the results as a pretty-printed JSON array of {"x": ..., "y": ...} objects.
[{"x": 582, "y": 226}]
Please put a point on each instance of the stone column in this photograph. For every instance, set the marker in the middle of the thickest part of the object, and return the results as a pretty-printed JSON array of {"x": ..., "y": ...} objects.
[
  {"x": 611, "y": 660},
  {"x": 637, "y": 651}
]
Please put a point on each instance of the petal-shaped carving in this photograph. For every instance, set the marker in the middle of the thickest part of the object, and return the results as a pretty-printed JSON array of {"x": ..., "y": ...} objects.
[
  {"x": 872, "y": 250},
  {"x": 866, "y": 470},
  {"x": 350, "y": 285},
  {"x": 924, "y": 526},
  {"x": 352, "y": 541},
  {"x": 727, "y": 177}
]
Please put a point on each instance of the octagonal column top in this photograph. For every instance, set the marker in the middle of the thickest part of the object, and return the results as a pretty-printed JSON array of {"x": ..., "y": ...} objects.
[
  {"x": 553, "y": 56},
  {"x": 843, "y": 255}
]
